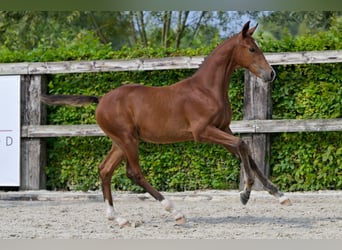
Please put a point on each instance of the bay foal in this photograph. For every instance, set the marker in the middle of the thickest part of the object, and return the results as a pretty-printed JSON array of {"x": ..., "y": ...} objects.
[{"x": 194, "y": 109}]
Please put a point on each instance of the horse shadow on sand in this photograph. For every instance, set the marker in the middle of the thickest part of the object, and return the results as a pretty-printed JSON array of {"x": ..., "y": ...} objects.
[{"x": 250, "y": 220}]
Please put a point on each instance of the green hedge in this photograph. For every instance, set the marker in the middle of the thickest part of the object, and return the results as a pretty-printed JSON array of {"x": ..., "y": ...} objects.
[
  {"x": 300, "y": 161},
  {"x": 307, "y": 161}
]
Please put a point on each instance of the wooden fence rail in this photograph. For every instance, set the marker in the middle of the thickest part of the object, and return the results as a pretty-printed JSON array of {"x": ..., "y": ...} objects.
[
  {"x": 65, "y": 67},
  {"x": 243, "y": 127},
  {"x": 255, "y": 127}
]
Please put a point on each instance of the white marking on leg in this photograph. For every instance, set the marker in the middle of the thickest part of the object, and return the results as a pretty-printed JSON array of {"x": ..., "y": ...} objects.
[
  {"x": 284, "y": 200},
  {"x": 111, "y": 214},
  {"x": 168, "y": 205}
]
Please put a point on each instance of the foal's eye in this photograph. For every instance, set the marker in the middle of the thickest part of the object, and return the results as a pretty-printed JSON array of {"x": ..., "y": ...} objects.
[{"x": 251, "y": 49}]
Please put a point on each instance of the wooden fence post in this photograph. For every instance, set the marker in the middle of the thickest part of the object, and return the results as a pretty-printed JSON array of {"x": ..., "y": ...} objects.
[
  {"x": 33, "y": 150},
  {"x": 257, "y": 106}
]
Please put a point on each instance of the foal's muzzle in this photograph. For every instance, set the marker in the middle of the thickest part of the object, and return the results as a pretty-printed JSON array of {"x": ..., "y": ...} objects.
[{"x": 268, "y": 76}]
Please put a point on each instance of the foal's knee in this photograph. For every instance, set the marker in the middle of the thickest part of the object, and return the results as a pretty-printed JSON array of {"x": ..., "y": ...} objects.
[{"x": 242, "y": 146}]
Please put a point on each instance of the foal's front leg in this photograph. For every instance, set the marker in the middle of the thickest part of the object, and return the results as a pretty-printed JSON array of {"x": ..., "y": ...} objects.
[
  {"x": 268, "y": 185},
  {"x": 240, "y": 149},
  {"x": 241, "y": 152},
  {"x": 249, "y": 165}
]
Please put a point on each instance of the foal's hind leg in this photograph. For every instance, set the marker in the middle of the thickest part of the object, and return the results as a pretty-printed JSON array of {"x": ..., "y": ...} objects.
[
  {"x": 106, "y": 170},
  {"x": 135, "y": 174}
]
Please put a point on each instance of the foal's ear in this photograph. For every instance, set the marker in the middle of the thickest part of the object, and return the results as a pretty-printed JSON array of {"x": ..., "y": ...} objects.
[
  {"x": 251, "y": 30},
  {"x": 245, "y": 28},
  {"x": 248, "y": 31}
]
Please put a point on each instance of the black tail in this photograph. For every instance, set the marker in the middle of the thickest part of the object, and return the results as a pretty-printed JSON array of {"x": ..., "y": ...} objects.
[{"x": 70, "y": 100}]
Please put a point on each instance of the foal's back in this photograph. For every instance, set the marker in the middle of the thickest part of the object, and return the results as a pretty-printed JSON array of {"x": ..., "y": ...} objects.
[{"x": 154, "y": 114}]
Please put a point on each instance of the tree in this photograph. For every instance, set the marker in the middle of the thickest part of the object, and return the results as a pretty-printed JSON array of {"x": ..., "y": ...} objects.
[
  {"x": 184, "y": 28},
  {"x": 181, "y": 25},
  {"x": 21, "y": 30},
  {"x": 28, "y": 29},
  {"x": 298, "y": 22}
]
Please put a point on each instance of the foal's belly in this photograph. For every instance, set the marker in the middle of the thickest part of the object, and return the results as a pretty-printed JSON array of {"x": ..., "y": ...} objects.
[{"x": 165, "y": 136}]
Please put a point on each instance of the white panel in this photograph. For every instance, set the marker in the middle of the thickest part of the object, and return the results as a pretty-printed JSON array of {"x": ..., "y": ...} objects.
[{"x": 9, "y": 131}]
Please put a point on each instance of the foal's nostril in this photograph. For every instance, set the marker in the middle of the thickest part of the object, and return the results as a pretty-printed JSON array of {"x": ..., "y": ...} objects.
[{"x": 273, "y": 75}]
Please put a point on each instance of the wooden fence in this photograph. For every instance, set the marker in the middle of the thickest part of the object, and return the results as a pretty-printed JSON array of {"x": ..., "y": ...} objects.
[{"x": 256, "y": 126}]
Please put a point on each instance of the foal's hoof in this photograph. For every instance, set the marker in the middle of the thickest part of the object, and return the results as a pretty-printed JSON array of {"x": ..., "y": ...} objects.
[
  {"x": 136, "y": 224},
  {"x": 180, "y": 219},
  {"x": 122, "y": 222},
  {"x": 244, "y": 197},
  {"x": 285, "y": 201}
]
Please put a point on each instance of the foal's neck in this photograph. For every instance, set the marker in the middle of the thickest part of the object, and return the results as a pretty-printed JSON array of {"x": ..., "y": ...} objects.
[{"x": 215, "y": 72}]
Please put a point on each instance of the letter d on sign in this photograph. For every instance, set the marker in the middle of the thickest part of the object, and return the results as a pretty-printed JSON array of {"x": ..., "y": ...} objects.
[{"x": 9, "y": 141}]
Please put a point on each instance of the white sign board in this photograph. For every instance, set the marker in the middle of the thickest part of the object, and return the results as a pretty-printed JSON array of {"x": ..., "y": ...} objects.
[{"x": 9, "y": 131}]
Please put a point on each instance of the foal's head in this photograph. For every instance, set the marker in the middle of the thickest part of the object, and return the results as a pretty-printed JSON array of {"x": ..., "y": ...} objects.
[{"x": 248, "y": 55}]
